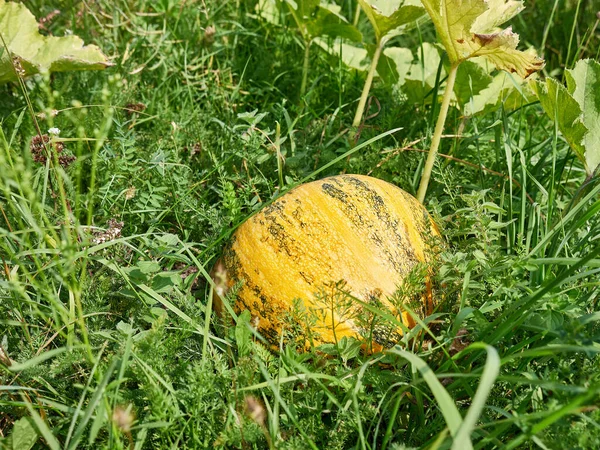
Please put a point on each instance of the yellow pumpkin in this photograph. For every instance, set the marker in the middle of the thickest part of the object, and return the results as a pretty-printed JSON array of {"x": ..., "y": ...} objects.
[{"x": 350, "y": 233}]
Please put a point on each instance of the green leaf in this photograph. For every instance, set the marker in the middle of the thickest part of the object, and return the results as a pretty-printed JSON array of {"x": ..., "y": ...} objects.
[
  {"x": 386, "y": 16},
  {"x": 23, "y": 435},
  {"x": 462, "y": 440},
  {"x": 34, "y": 53},
  {"x": 506, "y": 90},
  {"x": 583, "y": 83},
  {"x": 394, "y": 64},
  {"x": 468, "y": 28},
  {"x": 42, "y": 427},
  {"x": 444, "y": 401},
  {"x": 352, "y": 56},
  {"x": 327, "y": 21},
  {"x": 243, "y": 333},
  {"x": 420, "y": 79},
  {"x": 19, "y": 367},
  {"x": 311, "y": 18},
  {"x": 565, "y": 111},
  {"x": 472, "y": 77},
  {"x": 268, "y": 10}
]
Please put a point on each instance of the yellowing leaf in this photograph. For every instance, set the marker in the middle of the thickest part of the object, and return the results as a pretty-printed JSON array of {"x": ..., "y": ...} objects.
[
  {"x": 468, "y": 28},
  {"x": 32, "y": 53}
]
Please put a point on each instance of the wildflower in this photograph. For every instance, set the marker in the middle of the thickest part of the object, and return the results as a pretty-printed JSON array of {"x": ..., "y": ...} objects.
[{"x": 54, "y": 131}]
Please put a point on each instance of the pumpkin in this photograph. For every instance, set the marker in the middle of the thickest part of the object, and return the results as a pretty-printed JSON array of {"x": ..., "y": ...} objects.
[{"x": 352, "y": 238}]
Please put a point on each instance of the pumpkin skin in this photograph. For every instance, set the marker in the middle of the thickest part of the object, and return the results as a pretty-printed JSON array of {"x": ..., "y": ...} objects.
[{"x": 358, "y": 230}]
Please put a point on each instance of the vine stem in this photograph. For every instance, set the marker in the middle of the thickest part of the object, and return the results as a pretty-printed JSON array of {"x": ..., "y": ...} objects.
[
  {"x": 437, "y": 135},
  {"x": 367, "y": 87}
]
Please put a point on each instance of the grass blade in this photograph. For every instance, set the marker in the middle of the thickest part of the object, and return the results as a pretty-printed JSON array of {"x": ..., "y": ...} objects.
[
  {"x": 445, "y": 402},
  {"x": 490, "y": 373}
]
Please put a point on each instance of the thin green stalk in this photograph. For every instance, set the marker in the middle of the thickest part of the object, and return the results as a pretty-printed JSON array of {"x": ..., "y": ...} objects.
[
  {"x": 547, "y": 28},
  {"x": 305, "y": 67},
  {"x": 367, "y": 87},
  {"x": 356, "y": 14},
  {"x": 437, "y": 135},
  {"x": 280, "y": 160},
  {"x": 567, "y": 65}
]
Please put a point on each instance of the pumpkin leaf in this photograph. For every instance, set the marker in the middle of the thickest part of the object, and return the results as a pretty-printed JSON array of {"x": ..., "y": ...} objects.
[
  {"x": 576, "y": 110},
  {"x": 565, "y": 111},
  {"x": 311, "y": 18},
  {"x": 268, "y": 10},
  {"x": 352, "y": 56},
  {"x": 387, "y": 16},
  {"x": 33, "y": 53},
  {"x": 471, "y": 78},
  {"x": 504, "y": 89},
  {"x": 327, "y": 21},
  {"x": 394, "y": 64},
  {"x": 469, "y": 28},
  {"x": 583, "y": 83},
  {"x": 420, "y": 78}
]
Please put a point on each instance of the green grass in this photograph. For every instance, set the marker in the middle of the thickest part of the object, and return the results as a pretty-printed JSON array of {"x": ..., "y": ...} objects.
[{"x": 110, "y": 340}]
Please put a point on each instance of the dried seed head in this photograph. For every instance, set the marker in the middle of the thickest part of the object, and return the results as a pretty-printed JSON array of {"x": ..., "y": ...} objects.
[
  {"x": 219, "y": 275},
  {"x": 131, "y": 108},
  {"x": 195, "y": 149},
  {"x": 123, "y": 418},
  {"x": 18, "y": 66},
  {"x": 46, "y": 20},
  {"x": 113, "y": 232},
  {"x": 187, "y": 271},
  {"x": 209, "y": 36},
  {"x": 41, "y": 145},
  {"x": 255, "y": 410},
  {"x": 130, "y": 193},
  {"x": 460, "y": 342}
]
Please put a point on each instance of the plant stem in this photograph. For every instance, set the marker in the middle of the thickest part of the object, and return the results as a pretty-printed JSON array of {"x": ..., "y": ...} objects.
[
  {"x": 356, "y": 14},
  {"x": 305, "y": 66},
  {"x": 437, "y": 135},
  {"x": 365, "y": 92}
]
